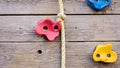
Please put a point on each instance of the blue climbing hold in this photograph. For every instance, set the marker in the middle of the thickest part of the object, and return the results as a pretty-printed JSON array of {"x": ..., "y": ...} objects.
[{"x": 98, "y": 4}]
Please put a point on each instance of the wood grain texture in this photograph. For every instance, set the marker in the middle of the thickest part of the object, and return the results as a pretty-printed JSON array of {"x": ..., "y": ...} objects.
[
  {"x": 17, "y": 55},
  {"x": 79, "y": 55},
  {"x": 78, "y": 28},
  {"x": 42, "y": 7},
  {"x": 19, "y": 44}
]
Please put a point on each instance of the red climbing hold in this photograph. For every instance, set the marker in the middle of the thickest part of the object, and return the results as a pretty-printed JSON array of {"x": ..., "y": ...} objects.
[{"x": 48, "y": 28}]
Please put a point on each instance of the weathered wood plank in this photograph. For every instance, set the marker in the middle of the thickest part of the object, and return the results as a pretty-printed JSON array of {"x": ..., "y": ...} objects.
[
  {"x": 17, "y": 55},
  {"x": 79, "y": 55},
  {"x": 51, "y": 7},
  {"x": 78, "y": 28}
]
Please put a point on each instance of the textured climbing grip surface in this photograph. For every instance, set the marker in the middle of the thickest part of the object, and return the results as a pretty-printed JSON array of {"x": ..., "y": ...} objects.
[
  {"x": 104, "y": 53},
  {"x": 98, "y": 4},
  {"x": 48, "y": 28}
]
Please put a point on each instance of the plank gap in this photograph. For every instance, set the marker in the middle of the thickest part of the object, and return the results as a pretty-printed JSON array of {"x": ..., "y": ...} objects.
[
  {"x": 57, "y": 41},
  {"x": 50, "y": 14}
]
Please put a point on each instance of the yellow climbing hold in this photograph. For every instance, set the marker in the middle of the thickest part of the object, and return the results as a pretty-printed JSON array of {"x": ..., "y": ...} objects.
[{"x": 104, "y": 53}]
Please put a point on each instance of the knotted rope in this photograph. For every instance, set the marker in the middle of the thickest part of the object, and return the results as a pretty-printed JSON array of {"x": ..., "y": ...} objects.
[{"x": 61, "y": 18}]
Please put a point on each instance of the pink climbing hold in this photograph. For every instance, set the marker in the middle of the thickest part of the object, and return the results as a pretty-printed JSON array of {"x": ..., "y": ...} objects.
[{"x": 48, "y": 28}]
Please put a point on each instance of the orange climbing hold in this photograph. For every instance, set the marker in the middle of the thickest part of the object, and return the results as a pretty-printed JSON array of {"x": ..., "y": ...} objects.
[{"x": 104, "y": 53}]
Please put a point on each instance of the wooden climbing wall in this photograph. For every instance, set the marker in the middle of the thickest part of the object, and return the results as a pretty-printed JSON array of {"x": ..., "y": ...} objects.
[{"x": 85, "y": 28}]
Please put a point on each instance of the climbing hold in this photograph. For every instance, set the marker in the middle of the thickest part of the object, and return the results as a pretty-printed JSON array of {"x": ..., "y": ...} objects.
[
  {"x": 48, "y": 28},
  {"x": 104, "y": 53},
  {"x": 98, "y": 4}
]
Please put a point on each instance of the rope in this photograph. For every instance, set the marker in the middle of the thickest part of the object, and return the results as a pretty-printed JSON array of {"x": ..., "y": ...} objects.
[{"x": 61, "y": 18}]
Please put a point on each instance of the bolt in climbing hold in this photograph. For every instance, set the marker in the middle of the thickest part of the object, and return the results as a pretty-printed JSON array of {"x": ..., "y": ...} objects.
[
  {"x": 98, "y": 4},
  {"x": 104, "y": 53},
  {"x": 48, "y": 28}
]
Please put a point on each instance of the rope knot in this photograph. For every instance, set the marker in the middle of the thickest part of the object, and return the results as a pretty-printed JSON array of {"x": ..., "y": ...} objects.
[{"x": 61, "y": 16}]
